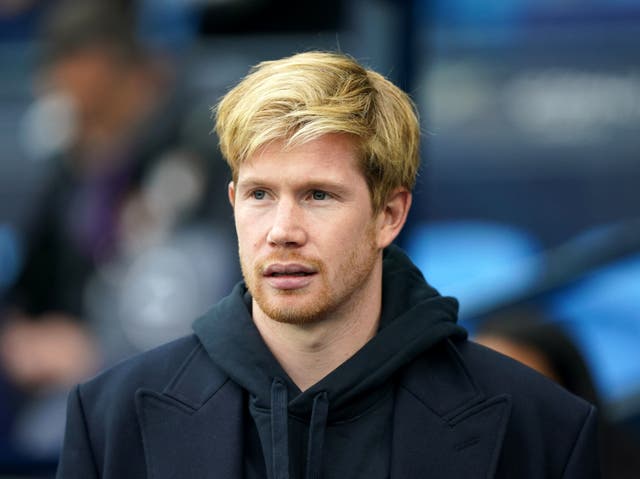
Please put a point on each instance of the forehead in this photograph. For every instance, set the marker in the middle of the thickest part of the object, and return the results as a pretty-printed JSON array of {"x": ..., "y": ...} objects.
[{"x": 330, "y": 156}]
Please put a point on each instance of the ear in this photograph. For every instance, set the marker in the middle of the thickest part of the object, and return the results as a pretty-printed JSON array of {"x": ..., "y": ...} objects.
[
  {"x": 393, "y": 216},
  {"x": 231, "y": 191}
]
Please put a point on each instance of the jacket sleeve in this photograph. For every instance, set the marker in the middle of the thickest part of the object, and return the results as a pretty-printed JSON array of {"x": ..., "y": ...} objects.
[
  {"x": 584, "y": 462},
  {"x": 76, "y": 459}
]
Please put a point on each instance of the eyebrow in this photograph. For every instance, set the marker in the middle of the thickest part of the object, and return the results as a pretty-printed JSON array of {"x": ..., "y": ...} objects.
[{"x": 311, "y": 184}]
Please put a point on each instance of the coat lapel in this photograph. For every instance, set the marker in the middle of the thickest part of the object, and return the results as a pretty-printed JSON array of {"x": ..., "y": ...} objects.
[
  {"x": 194, "y": 427},
  {"x": 444, "y": 427}
]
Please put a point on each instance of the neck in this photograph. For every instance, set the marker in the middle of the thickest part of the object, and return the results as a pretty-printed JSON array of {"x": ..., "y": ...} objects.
[{"x": 309, "y": 352}]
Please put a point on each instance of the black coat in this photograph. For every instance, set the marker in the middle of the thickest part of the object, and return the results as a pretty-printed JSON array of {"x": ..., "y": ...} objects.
[{"x": 461, "y": 411}]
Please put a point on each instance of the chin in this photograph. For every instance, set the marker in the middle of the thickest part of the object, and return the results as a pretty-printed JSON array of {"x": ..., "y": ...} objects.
[{"x": 293, "y": 311}]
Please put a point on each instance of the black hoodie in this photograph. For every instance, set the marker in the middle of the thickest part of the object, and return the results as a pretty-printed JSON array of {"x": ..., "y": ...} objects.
[{"x": 341, "y": 426}]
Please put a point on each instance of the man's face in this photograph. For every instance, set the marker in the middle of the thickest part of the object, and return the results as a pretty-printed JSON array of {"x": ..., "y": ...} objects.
[{"x": 308, "y": 238}]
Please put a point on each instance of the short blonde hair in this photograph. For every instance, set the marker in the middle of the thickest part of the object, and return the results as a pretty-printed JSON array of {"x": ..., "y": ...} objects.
[{"x": 305, "y": 96}]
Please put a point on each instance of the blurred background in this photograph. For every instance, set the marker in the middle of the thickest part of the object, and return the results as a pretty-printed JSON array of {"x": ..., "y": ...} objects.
[{"x": 115, "y": 230}]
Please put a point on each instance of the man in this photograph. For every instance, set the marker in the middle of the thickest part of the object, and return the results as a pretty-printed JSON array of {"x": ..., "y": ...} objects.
[{"x": 334, "y": 359}]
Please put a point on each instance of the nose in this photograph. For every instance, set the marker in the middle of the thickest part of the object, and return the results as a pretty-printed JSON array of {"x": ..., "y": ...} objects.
[{"x": 287, "y": 229}]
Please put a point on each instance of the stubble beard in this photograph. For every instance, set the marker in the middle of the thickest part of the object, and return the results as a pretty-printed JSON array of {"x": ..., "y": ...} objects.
[{"x": 292, "y": 307}]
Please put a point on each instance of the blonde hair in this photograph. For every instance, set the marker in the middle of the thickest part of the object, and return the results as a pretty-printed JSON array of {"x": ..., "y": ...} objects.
[{"x": 305, "y": 96}]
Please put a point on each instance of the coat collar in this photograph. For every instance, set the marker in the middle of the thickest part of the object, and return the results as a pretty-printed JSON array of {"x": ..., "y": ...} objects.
[
  {"x": 455, "y": 431},
  {"x": 444, "y": 427},
  {"x": 193, "y": 428}
]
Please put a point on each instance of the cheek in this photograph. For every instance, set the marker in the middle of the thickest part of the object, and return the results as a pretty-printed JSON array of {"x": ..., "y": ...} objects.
[
  {"x": 249, "y": 230},
  {"x": 359, "y": 230}
]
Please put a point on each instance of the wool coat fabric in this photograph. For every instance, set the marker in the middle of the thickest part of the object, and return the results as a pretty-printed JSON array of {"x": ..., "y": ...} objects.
[{"x": 461, "y": 411}]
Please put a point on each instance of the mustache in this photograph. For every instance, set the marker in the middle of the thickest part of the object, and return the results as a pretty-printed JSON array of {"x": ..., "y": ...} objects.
[{"x": 289, "y": 257}]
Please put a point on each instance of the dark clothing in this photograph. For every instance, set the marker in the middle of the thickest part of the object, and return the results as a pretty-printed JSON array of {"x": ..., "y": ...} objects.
[
  {"x": 74, "y": 231},
  {"x": 350, "y": 409},
  {"x": 416, "y": 401}
]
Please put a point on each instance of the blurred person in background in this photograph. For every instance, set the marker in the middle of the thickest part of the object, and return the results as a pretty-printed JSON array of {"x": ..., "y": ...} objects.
[
  {"x": 527, "y": 336},
  {"x": 120, "y": 224}
]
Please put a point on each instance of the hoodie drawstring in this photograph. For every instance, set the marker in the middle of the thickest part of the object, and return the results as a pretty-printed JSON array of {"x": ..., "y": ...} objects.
[
  {"x": 317, "y": 428},
  {"x": 280, "y": 432},
  {"x": 279, "y": 429}
]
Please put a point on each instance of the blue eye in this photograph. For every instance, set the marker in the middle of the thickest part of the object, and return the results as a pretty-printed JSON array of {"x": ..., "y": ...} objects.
[
  {"x": 258, "y": 194},
  {"x": 319, "y": 195}
]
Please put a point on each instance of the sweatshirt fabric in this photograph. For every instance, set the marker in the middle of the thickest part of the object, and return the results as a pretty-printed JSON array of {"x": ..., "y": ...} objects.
[{"x": 341, "y": 426}]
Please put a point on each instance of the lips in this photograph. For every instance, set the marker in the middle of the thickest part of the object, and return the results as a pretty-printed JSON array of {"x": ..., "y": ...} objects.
[
  {"x": 292, "y": 269},
  {"x": 289, "y": 276}
]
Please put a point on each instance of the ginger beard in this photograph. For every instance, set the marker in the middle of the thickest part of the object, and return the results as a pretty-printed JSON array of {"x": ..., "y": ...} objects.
[{"x": 326, "y": 294}]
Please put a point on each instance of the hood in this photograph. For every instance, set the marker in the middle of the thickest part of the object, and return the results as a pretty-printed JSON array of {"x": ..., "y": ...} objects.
[{"x": 414, "y": 317}]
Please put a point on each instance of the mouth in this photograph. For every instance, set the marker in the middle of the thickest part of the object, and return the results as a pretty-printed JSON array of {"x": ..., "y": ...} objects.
[
  {"x": 291, "y": 276},
  {"x": 277, "y": 270}
]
